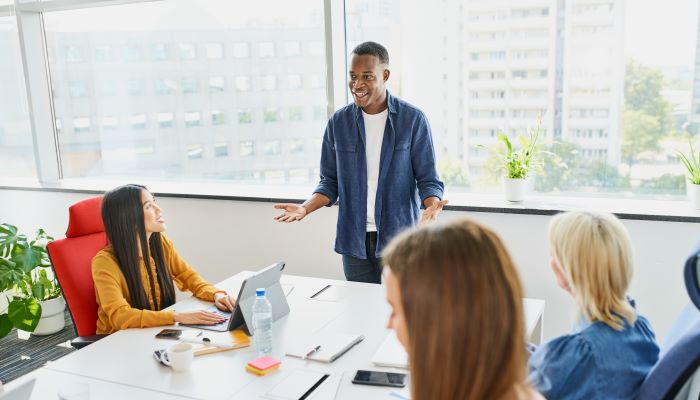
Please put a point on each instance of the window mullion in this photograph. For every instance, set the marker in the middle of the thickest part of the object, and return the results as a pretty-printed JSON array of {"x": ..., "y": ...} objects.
[{"x": 35, "y": 64}]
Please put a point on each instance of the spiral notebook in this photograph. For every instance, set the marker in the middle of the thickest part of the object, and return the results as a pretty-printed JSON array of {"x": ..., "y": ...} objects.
[{"x": 332, "y": 346}]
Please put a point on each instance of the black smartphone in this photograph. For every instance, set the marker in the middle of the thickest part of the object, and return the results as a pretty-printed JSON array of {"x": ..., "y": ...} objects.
[
  {"x": 378, "y": 378},
  {"x": 169, "y": 334}
]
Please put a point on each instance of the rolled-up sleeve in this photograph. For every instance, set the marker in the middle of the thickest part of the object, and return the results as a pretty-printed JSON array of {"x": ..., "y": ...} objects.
[
  {"x": 423, "y": 162},
  {"x": 328, "y": 185}
]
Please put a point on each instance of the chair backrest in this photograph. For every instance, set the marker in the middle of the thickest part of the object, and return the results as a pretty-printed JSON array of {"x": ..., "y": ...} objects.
[
  {"x": 680, "y": 359},
  {"x": 72, "y": 262}
]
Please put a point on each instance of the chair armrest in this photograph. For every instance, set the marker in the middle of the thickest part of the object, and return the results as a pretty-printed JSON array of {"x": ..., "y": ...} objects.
[{"x": 82, "y": 341}]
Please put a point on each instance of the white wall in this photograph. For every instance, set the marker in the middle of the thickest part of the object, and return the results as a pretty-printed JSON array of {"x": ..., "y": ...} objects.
[{"x": 220, "y": 238}]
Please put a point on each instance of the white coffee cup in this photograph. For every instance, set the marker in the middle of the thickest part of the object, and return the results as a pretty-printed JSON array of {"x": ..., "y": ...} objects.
[{"x": 179, "y": 357}]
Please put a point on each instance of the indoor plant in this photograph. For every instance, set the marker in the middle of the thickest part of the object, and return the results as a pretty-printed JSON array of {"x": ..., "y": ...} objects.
[
  {"x": 692, "y": 164},
  {"x": 28, "y": 283},
  {"x": 517, "y": 164}
]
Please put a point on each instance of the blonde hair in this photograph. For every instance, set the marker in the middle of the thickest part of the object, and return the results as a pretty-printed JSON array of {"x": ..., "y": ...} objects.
[
  {"x": 595, "y": 253},
  {"x": 462, "y": 302}
]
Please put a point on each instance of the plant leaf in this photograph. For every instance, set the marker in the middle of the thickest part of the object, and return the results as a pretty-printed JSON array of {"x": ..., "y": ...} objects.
[
  {"x": 5, "y": 325},
  {"x": 10, "y": 274},
  {"x": 8, "y": 237},
  {"x": 25, "y": 313},
  {"x": 26, "y": 257}
]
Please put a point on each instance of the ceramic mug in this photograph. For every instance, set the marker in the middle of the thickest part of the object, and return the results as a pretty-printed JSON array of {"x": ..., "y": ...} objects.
[{"x": 179, "y": 357}]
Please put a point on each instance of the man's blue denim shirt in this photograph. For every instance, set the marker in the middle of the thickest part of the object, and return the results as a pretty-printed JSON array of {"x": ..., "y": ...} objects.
[{"x": 407, "y": 174}]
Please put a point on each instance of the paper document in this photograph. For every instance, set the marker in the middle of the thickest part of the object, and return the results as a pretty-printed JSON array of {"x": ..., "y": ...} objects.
[
  {"x": 330, "y": 293},
  {"x": 296, "y": 385},
  {"x": 391, "y": 353},
  {"x": 330, "y": 347}
]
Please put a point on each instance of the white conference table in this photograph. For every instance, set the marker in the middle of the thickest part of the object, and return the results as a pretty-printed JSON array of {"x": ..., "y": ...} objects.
[{"x": 124, "y": 360}]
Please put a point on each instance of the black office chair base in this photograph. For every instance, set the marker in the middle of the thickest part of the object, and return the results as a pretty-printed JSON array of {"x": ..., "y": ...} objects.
[{"x": 82, "y": 341}]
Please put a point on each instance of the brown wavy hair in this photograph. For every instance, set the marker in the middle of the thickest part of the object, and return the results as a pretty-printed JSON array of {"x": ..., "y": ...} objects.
[{"x": 462, "y": 301}]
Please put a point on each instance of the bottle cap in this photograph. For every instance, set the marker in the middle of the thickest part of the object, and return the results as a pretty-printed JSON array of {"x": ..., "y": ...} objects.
[{"x": 260, "y": 292}]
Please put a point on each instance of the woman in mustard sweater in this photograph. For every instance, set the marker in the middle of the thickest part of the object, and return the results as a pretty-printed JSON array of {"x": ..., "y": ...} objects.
[{"x": 129, "y": 295}]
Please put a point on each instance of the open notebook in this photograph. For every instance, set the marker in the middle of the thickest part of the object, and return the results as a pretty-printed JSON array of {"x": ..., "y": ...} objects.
[{"x": 332, "y": 346}]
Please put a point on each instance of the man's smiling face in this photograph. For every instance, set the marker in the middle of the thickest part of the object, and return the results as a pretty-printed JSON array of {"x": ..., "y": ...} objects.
[{"x": 368, "y": 76}]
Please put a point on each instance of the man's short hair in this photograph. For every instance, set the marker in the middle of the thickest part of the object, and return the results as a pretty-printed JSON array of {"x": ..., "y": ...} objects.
[{"x": 372, "y": 49}]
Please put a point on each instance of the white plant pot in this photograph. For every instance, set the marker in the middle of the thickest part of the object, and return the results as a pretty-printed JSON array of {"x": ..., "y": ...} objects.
[
  {"x": 693, "y": 194},
  {"x": 514, "y": 189},
  {"x": 52, "y": 319}
]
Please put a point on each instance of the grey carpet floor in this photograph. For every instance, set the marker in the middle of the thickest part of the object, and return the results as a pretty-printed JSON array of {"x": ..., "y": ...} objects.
[{"x": 19, "y": 356}]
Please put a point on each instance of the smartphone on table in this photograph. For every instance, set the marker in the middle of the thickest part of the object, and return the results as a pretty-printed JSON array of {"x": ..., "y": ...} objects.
[
  {"x": 169, "y": 334},
  {"x": 379, "y": 378}
]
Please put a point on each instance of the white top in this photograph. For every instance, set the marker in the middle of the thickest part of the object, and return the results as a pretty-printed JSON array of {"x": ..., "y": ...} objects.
[{"x": 374, "y": 135}]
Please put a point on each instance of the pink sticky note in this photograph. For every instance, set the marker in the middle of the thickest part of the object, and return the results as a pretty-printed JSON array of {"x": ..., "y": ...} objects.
[{"x": 263, "y": 363}]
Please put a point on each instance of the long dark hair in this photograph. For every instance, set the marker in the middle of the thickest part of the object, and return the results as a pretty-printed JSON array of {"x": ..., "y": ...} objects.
[{"x": 122, "y": 214}]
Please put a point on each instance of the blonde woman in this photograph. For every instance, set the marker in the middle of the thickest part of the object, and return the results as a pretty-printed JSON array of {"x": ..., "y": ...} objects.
[
  {"x": 457, "y": 310},
  {"x": 613, "y": 348}
]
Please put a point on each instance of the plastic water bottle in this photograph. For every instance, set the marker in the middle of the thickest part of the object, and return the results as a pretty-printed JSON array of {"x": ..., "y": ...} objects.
[{"x": 262, "y": 323}]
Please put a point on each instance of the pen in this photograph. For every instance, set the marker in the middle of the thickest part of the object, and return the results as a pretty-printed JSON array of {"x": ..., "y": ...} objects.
[
  {"x": 320, "y": 291},
  {"x": 312, "y": 351},
  {"x": 205, "y": 341}
]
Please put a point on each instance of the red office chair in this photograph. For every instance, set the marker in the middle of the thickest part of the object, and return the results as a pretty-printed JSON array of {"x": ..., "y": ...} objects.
[{"x": 72, "y": 262}]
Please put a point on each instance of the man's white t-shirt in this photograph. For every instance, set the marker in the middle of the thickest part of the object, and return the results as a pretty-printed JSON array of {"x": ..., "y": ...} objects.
[{"x": 374, "y": 135}]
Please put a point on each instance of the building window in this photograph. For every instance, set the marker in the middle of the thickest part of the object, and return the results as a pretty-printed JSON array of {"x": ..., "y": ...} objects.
[
  {"x": 220, "y": 149},
  {"x": 193, "y": 118},
  {"x": 188, "y": 51},
  {"x": 241, "y": 50},
  {"x": 271, "y": 115},
  {"x": 134, "y": 52},
  {"x": 292, "y": 49},
  {"x": 166, "y": 120},
  {"x": 294, "y": 82},
  {"x": 104, "y": 54},
  {"x": 296, "y": 146},
  {"x": 190, "y": 85},
  {"x": 77, "y": 89},
  {"x": 81, "y": 125},
  {"x": 109, "y": 123},
  {"x": 271, "y": 147},
  {"x": 269, "y": 82},
  {"x": 138, "y": 121},
  {"x": 215, "y": 51},
  {"x": 159, "y": 52},
  {"x": 242, "y": 83},
  {"x": 165, "y": 86},
  {"x": 316, "y": 81},
  {"x": 296, "y": 113},
  {"x": 247, "y": 148},
  {"x": 195, "y": 152},
  {"x": 73, "y": 54},
  {"x": 217, "y": 117},
  {"x": 216, "y": 84},
  {"x": 320, "y": 113},
  {"x": 136, "y": 87},
  {"x": 245, "y": 116},
  {"x": 266, "y": 49}
]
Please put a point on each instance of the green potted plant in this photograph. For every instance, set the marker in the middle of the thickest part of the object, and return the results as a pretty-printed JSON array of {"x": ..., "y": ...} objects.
[
  {"x": 517, "y": 164},
  {"x": 692, "y": 165},
  {"x": 33, "y": 297}
]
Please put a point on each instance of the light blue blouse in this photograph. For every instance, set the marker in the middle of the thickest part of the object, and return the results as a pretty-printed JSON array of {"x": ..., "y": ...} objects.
[{"x": 597, "y": 362}]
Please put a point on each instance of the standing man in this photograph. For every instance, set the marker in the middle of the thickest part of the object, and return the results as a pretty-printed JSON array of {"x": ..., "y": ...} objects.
[{"x": 378, "y": 161}]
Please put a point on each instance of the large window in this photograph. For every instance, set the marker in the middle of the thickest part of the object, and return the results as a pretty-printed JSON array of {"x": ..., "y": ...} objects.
[
  {"x": 168, "y": 63},
  {"x": 167, "y": 90},
  {"x": 16, "y": 151},
  {"x": 615, "y": 98}
]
